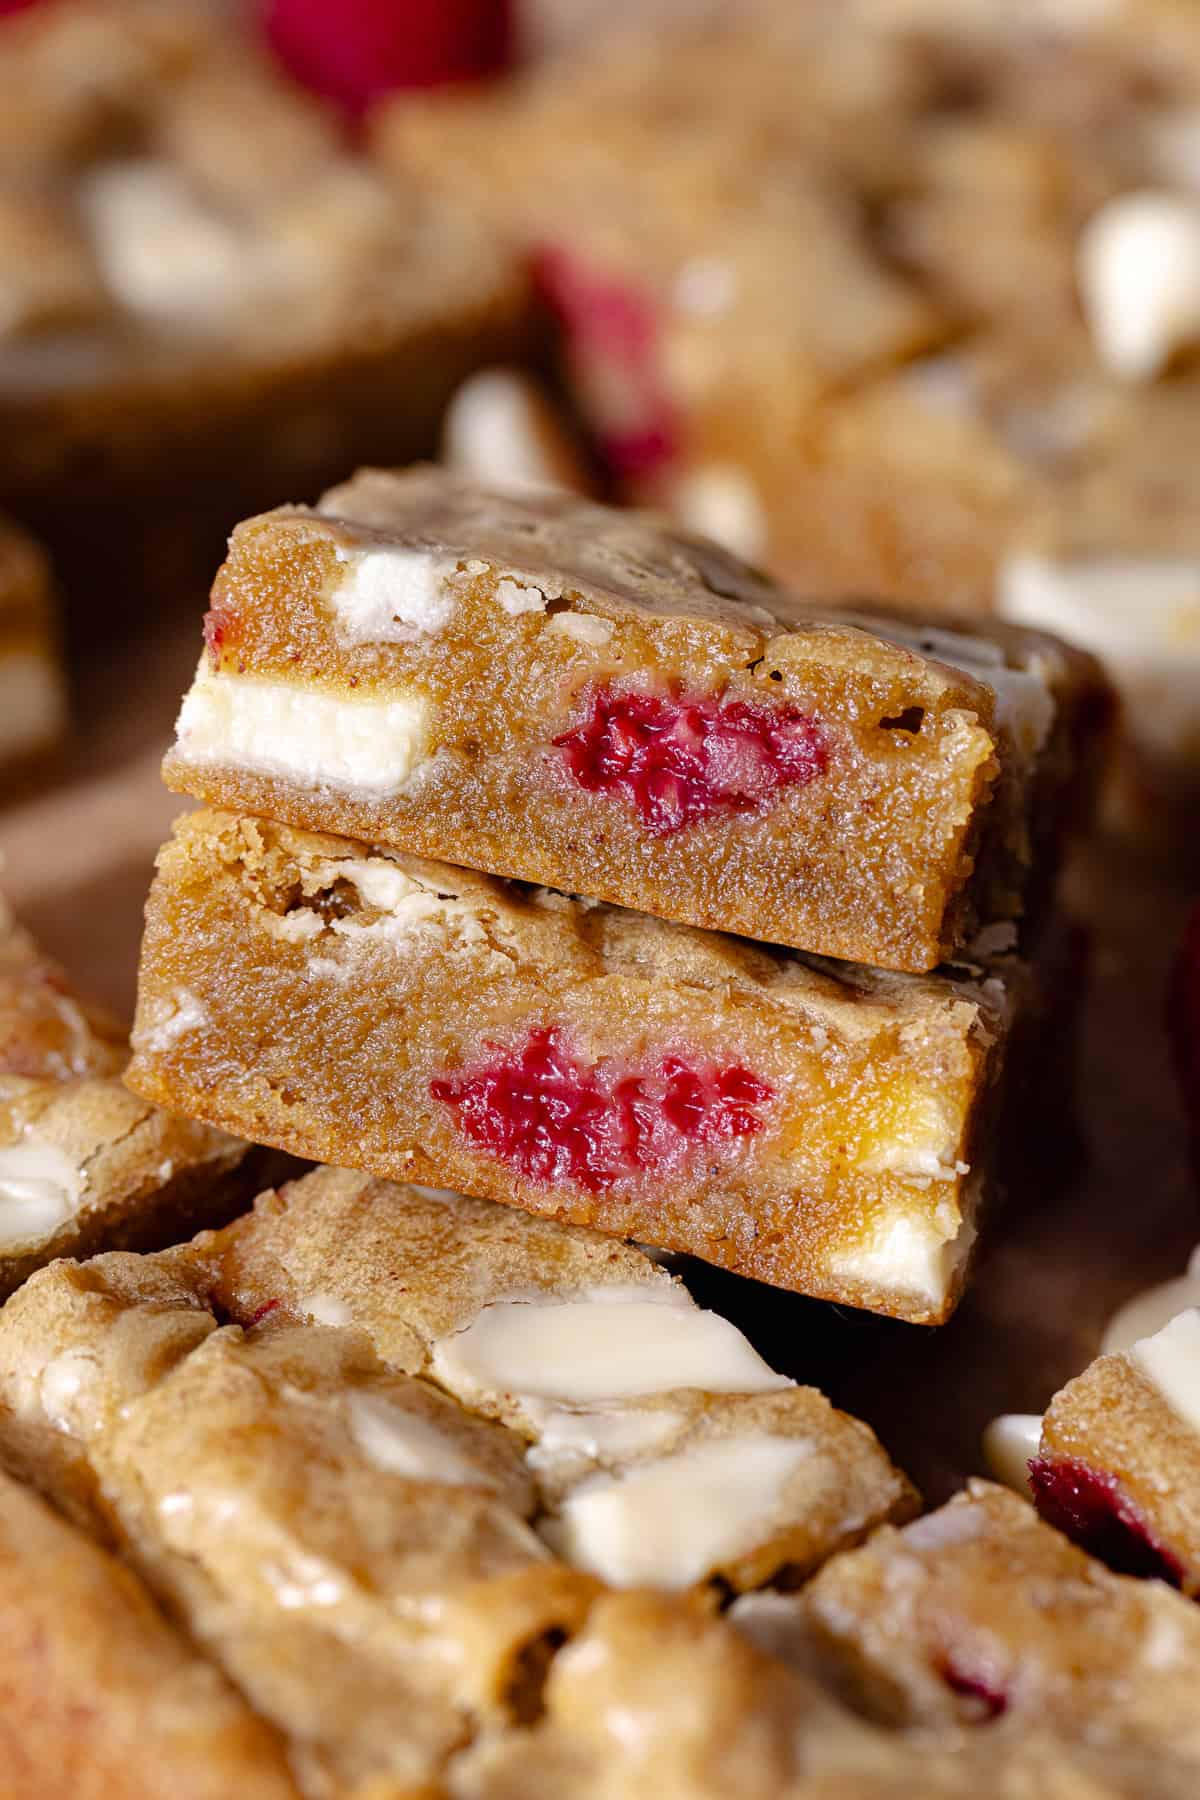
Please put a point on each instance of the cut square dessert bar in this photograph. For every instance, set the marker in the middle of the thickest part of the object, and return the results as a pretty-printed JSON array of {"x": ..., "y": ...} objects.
[
  {"x": 348, "y": 1544},
  {"x": 979, "y": 1614},
  {"x": 32, "y": 699},
  {"x": 820, "y": 1126},
  {"x": 664, "y": 1449},
  {"x": 84, "y": 1164},
  {"x": 352, "y": 1544},
  {"x": 1118, "y": 1468},
  {"x": 101, "y": 1695},
  {"x": 565, "y": 694}
]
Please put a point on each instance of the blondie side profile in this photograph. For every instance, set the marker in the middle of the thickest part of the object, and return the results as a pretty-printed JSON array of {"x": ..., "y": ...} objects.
[
  {"x": 84, "y": 1164},
  {"x": 1118, "y": 1468},
  {"x": 563, "y": 693},
  {"x": 820, "y": 1126}
]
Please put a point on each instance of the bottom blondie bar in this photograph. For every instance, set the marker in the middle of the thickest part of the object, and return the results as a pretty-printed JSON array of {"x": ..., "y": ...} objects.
[{"x": 821, "y": 1126}]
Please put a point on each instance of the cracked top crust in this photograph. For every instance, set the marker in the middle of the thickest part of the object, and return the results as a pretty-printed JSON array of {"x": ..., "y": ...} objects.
[{"x": 617, "y": 563}]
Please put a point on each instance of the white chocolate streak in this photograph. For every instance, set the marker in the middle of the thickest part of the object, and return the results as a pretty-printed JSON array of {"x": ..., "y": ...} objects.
[
  {"x": 358, "y": 744},
  {"x": 609, "y": 1343}
]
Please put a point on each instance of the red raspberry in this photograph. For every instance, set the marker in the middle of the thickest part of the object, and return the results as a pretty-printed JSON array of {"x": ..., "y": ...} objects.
[
  {"x": 1090, "y": 1507},
  {"x": 682, "y": 760},
  {"x": 356, "y": 51},
  {"x": 554, "y": 1118}
]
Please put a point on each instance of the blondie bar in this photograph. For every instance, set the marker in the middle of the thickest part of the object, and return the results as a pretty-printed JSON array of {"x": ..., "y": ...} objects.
[
  {"x": 664, "y": 1449},
  {"x": 84, "y": 1165},
  {"x": 553, "y": 691},
  {"x": 820, "y": 1126},
  {"x": 103, "y": 1699},
  {"x": 1118, "y": 1467},
  {"x": 979, "y": 1613},
  {"x": 32, "y": 698},
  {"x": 349, "y": 1545}
]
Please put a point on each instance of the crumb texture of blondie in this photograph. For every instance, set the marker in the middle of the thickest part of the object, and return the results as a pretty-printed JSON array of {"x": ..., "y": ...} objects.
[
  {"x": 823, "y": 1127},
  {"x": 573, "y": 695}
]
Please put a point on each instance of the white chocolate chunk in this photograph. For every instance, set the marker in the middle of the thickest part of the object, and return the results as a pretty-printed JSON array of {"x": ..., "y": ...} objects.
[
  {"x": 502, "y": 431},
  {"x": 585, "y": 628},
  {"x": 610, "y": 1343},
  {"x": 1139, "y": 280},
  {"x": 402, "y": 1443},
  {"x": 1140, "y": 616},
  {"x": 909, "y": 1253},
  {"x": 357, "y": 744},
  {"x": 669, "y": 1523},
  {"x": 171, "y": 1019},
  {"x": 1008, "y": 1444},
  {"x": 40, "y": 1189},
  {"x": 63, "y": 1381},
  {"x": 31, "y": 702},
  {"x": 1153, "y": 1308},
  {"x": 721, "y": 501},
  {"x": 616, "y": 1435},
  {"x": 1025, "y": 706},
  {"x": 1171, "y": 1360},
  {"x": 517, "y": 597},
  {"x": 326, "y": 1309},
  {"x": 392, "y": 596},
  {"x": 162, "y": 254}
]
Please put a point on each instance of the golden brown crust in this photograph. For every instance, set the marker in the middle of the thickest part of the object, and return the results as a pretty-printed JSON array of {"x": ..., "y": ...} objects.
[{"x": 877, "y": 1084}]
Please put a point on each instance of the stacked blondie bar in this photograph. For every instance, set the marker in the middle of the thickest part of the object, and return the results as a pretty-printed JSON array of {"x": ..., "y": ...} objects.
[{"x": 498, "y": 779}]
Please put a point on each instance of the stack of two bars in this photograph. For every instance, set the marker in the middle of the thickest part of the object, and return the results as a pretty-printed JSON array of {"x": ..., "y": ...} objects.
[{"x": 604, "y": 716}]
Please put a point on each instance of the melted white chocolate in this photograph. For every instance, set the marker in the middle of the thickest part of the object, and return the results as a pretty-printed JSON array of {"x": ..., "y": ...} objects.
[
  {"x": 1008, "y": 1444},
  {"x": 609, "y": 1343},
  {"x": 1153, "y": 1308},
  {"x": 1171, "y": 1360},
  {"x": 40, "y": 1188},
  {"x": 671, "y": 1522},
  {"x": 403, "y": 1443},
  {"x": 360, "y": 743}
]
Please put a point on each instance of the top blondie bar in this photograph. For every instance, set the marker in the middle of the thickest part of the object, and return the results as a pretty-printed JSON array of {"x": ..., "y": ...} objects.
[{"x": 549, "y": 690}]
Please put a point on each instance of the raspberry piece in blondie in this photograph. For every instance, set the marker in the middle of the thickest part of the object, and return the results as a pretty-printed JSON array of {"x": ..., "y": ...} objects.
[
  {"x": 84, "y": 1165},
  {"x": 665, "y": 1451},
  {"x": 821, "y": 1126},
  {"x": 1119, "y": 1462},
  {"x": 562, "y": 693}
]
